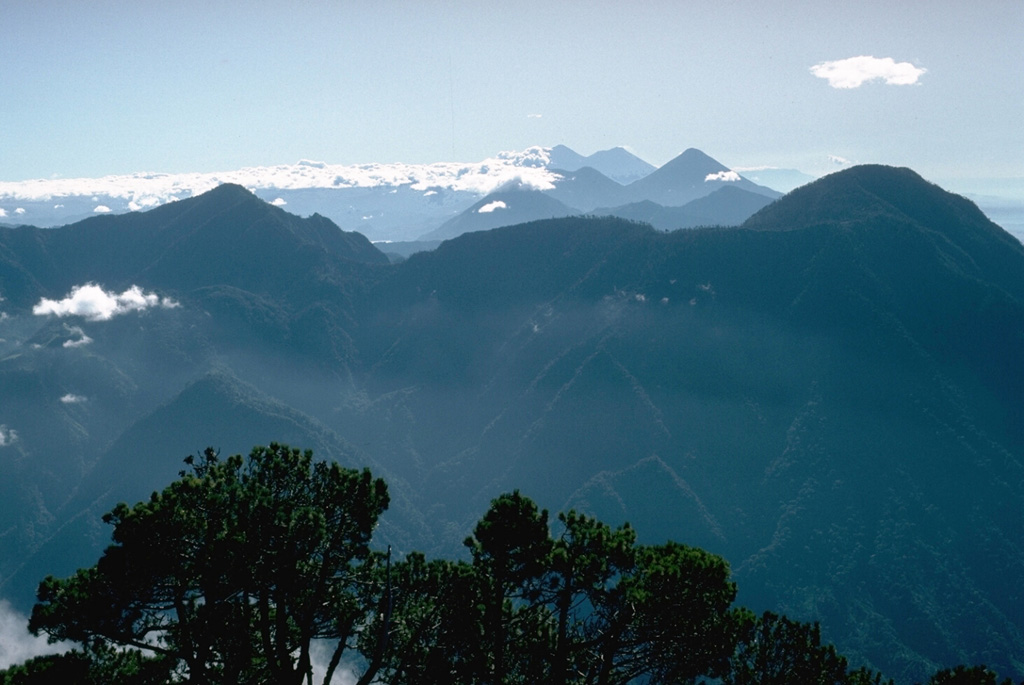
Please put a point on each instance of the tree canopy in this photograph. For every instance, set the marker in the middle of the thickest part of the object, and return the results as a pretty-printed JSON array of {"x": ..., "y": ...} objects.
[
  {"x": 231, "y": 571},
  {"x": 234, "y": 571}
]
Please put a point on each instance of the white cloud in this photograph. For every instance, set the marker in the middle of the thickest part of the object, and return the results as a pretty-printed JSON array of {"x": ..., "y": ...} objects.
[
  {"x": 148, "y": 189},
  {"x": 279, "y": 202},
  {"x": 3, "y": 212},
  {"x": 95, "y": 304},
  {"x": 17, "y": 645},
  {"x": 81, "y": 340},
  {"x": 836, "y": 160},
  {"x": 102, "y": 209},
  {"x": 854, "y": 72},
  {"x": 73, "y": 399},
  {"x": 730, "y": 176},
  {"x": 19, "y": 210},
  {"x": 534, "y": 116},
  {"x": 8, "y": 436},
  {"x": 491, "y": 206}
]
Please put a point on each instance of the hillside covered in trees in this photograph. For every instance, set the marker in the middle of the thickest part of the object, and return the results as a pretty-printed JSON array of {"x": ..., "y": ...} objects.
[{"x": 828, "y": 396}]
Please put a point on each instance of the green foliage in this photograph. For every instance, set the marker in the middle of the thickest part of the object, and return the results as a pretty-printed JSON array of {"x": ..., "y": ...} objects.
[
  {"x": 967, "y": 675},
  {"x": 510, "y": 548},
  {"x": 590, "y": 606},
  {"x": 92, "y": 666},
  {"x": 231, "y": 572},
  {"x": 436, "y": 628},
  {"x": 233, "y": 569},
  {"x": 586, "y": 562},
  {"x": 776, "y": 650}
]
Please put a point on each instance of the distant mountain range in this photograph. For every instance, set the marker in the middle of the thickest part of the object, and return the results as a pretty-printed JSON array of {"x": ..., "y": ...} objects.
[
  {"x": 829, "y": 395},
  {"x": 396, "y": 202},
  {"x": 618, "y": 164}
]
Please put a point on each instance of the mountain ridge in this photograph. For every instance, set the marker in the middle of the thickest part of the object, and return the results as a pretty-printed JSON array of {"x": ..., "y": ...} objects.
[
  {"x": 385, "y": 202},
  {"x": 828, "y": 395},
  {"x": 180, "y": 245},
  {"x": 618, "y": 164}
]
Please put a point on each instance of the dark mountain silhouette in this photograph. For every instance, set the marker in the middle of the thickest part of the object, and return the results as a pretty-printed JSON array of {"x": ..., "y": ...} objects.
[
  {"x": 181, "y": 246},
  {"x": 501, "y": 208},
  {"x": 686, "y": 178},
  {"x": 830, "y": 396},
  {"x": 869, "y": 197}
]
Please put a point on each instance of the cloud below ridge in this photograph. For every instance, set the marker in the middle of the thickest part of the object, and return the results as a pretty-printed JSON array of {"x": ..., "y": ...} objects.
[
  {"x": 79, "y": 341},
  {"x": 854, "y": 72},
  {"x": 95, "y": 304},
  {"x": 491, "y": 206},
  {"x": 730, "y": 176},
  {"x": 8, "y": 436}
]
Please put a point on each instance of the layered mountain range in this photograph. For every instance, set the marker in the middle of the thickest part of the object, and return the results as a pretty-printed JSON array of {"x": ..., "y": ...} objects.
[
  {"x": 830, "y": 395},
  {"x": 402, "y": 202}
]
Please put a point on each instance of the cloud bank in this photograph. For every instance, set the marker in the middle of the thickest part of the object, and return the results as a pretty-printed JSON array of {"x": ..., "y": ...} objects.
[
  {"x": 854, "y": 72},
  {"x": 95, "y": 304},
  {"x": 146, "y": 190}
]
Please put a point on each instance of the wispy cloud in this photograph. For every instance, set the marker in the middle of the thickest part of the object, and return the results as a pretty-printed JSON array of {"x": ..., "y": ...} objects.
[
  {"x": 71, "y": 398},
  {"x": 491, "y": 206},
  {"x": 534, "y": 116},
  {"x": 8, "y": 436},
  {"x": 730, "y": 176},
  {"x": 854, "y": 72},
  {"x": 80, "y": 340},
  {"x": 95, "y": 304}
]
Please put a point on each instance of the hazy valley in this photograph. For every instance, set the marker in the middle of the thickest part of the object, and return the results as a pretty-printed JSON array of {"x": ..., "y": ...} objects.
[{"x": 826, "y": 388}]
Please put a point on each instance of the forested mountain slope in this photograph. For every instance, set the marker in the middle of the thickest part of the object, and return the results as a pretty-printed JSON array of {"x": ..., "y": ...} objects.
[{"x": 830, "y": 396}]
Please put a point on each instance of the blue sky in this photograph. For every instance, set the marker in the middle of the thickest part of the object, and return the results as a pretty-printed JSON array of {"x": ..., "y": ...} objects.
[{"x": 90, "y": 89}]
